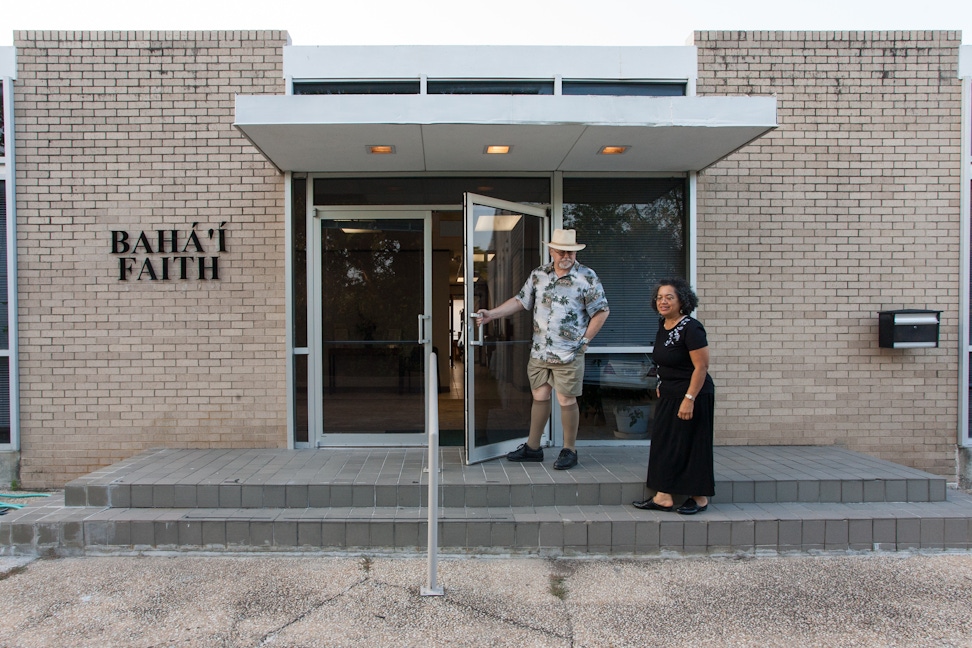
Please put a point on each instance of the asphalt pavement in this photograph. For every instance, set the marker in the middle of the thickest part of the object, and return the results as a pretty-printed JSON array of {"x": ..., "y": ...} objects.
[{"x": 900, "y": 599}]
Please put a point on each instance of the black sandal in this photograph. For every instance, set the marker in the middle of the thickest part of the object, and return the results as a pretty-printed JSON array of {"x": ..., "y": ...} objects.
[{"x": 650, "y": 505}]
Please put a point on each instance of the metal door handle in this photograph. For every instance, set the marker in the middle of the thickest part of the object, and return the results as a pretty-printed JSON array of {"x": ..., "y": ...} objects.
[
  {"x": 421, "y": 329},
  {"x": 473, "y": 341}
]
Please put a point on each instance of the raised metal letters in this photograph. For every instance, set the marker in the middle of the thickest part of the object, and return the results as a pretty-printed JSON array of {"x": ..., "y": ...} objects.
[{"x": 158, "y": 256}]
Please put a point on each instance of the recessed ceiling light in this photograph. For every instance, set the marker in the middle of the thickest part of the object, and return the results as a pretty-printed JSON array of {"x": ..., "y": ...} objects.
[
  {"x": 613, "y": 150},
  {"x": 381, "y": 149},
  {"x": 498, "y": 149}
]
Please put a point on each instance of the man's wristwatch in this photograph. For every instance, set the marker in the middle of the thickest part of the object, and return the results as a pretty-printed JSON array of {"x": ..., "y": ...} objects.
[{"x": 584, "y": 341}]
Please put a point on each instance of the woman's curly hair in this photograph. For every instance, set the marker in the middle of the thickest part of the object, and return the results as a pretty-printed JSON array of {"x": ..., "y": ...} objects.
[{"x": 687, "y": 299}]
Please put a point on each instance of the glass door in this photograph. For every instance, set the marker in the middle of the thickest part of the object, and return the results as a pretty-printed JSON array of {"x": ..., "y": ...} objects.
[
  {"x": 503, "y": 243},
  {"x": 373, "y": 333}
]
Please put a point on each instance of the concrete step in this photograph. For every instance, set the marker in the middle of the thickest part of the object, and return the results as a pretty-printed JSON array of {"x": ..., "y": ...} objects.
[
  {"x": 379, "y": 477},
  {"x": 726, "y": 528},
  {"x": 774, "y": 499}
]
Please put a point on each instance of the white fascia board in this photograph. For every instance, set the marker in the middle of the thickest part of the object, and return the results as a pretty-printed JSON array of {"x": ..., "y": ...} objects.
[
  {"x": 965, "y": 61},
  {"x": 493, "y": 109},
  {"x": 490, "y": 62},
  {"x": 8, "y": 62}
]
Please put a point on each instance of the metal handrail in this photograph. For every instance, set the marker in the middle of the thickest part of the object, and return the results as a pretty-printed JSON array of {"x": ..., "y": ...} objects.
[{"x": 432, "y": 421}]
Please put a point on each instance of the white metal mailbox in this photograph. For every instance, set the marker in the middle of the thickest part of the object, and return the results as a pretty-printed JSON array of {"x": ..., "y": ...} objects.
[{"x": 908, "y": 328}]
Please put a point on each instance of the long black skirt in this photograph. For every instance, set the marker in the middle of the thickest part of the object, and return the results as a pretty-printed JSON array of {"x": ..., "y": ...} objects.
[{"x": 680, "y": 458}]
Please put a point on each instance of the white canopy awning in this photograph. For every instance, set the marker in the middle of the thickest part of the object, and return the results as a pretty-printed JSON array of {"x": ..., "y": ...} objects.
[{"x": 449, "y": 133}]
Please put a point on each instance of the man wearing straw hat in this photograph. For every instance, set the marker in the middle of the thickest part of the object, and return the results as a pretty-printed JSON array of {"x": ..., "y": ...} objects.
[{"x": 569, "y": 308}]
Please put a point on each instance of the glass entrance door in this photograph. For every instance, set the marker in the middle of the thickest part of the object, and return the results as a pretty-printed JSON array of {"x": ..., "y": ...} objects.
[
  {"x": 503, "y": 243},
  {"x": 373, "y": 337}
]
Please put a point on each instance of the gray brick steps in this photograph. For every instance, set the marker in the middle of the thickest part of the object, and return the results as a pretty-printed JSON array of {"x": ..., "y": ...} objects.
[
  {"x": 356, "y": 477},
  {"x": 551, "y": 530},
  {"x": 336, "y": 495},
  {"x": 778, "y": 499}
]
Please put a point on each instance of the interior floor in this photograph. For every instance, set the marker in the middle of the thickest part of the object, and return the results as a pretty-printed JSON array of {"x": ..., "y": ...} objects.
[{"x": 390, "y": 411}]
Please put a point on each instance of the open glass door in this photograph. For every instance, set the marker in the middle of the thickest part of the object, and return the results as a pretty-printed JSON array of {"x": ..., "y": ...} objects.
[
  {"x": 372, "y": 336},
  {"x": 503, "y": 243}
]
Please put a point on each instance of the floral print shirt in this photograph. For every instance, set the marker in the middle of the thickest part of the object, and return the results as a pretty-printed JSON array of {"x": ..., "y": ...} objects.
[{"x": 562, "y": 308}]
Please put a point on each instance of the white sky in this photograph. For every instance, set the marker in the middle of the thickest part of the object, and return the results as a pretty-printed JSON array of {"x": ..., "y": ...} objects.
[{"x": 486, "y": 22}]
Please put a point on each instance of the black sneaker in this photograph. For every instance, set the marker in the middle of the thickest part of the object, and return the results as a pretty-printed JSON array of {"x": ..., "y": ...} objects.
[
  {"x": 567, "y": 459},
  {"x": 526, "y": 453}
]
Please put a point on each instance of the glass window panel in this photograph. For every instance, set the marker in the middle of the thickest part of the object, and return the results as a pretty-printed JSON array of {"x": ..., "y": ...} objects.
[
  {"x": 301, "y": 424},
  {"x": 4, "y": 400},
  {"x": 634, "y": 229},
  {"x": 356, "y": 87},
  {"x": 623, "y": 88},
  {"x": 5, "y": 334},
  {"x": 372, "y": 275},
  {"x": 492, "y": 87},
  {"x": 426, "y": 191},
  {"x": 299, "y": 270},
  {"x": 618, "y": 398}
]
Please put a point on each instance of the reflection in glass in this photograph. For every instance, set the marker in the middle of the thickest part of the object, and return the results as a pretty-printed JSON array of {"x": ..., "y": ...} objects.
[
  {"x": 635, "y": 233},
  {"x": 634, "y": 229},
  {"x": 505, "y": 251},
  {"x": 4, "y": 399},
  {"x": 619, "y": 392},
  {"x": 4, "y": 313},
  {"x": 301, "y": 425},
  {"x": 299, "y": 270}
]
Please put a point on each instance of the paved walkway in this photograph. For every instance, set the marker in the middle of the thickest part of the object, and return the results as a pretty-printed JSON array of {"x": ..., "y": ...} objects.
[{"x": 904, "y": 599}]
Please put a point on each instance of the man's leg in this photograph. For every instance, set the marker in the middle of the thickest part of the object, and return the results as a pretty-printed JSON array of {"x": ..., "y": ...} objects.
[
  {"x": 539, "y": 414},
  {"x": 570, "y": 418}
]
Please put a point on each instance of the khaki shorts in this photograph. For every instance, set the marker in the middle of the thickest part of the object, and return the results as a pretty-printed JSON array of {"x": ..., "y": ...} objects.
[{"x": 566, "y": 379}]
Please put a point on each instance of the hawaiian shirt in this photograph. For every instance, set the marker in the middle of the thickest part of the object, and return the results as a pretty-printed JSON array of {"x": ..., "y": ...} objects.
[{"x": 562, "y": 308}]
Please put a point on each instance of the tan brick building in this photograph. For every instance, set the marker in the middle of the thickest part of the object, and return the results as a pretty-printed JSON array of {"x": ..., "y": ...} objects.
[
  {"x": 210, "y": 251},
  {"x": 849, "y": 208},
  {"x": 134, "y": 132}
]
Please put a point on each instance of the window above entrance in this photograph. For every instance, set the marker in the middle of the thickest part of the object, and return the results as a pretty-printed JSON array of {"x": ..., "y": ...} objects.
[{"x": 426, "y": 191}]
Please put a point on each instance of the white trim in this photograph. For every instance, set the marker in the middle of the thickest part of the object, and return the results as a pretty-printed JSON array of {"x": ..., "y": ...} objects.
[
  {"x": 315, "y": 329},
  {"x": 965, "y": 61},
  {"x": 710, "y": 112},
  {"x": 490, "y": 62},
  {"x": 965, "y": 229},
  {"x": 317, "y": 436},
  {"x": 478, "y": 453},
  {"x": 8, "y": 62}
]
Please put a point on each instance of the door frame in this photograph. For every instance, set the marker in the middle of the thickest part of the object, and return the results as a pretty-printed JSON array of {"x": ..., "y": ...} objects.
[
  {"x": 474, "y": 453},
  {"x": 317, "y": 436}
]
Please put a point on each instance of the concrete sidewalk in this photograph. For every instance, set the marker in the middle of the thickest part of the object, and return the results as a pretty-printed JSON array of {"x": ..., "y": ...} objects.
[{"x": 901, "y": 599}]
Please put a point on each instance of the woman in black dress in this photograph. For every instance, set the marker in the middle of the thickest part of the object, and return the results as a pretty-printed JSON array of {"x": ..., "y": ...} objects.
[{"x": 680, "y": 459}]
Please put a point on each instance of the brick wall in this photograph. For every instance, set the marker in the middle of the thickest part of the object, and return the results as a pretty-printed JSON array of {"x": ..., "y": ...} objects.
[
  {"x": 132, "y": 131},
  {"x": 849, "y": 208}
]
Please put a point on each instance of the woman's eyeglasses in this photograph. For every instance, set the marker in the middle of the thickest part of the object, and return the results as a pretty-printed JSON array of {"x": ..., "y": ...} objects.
[{"x": 666, "y": 298}]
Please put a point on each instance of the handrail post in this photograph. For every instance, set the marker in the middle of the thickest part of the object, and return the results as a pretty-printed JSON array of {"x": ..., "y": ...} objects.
[{"x": 432, "y": 418}]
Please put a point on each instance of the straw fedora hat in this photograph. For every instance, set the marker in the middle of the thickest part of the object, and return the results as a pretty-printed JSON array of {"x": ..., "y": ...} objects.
[{"x": 566, "y": 240}]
